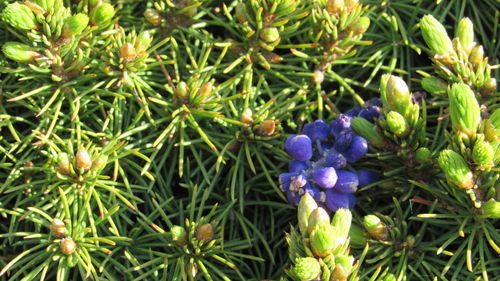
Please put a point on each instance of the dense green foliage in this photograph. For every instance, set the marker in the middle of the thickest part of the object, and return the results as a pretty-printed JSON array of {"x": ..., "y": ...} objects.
[{"x": 143, "y": 140}]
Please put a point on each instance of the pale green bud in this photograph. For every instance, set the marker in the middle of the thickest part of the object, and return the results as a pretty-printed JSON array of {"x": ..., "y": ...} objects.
[
  {"x": 491, "y": 209},
  {"x": 317, "y": 216},
  {"x": 423, "y": 154},
  {"x": 178, "y": 235},
  {"x": 269, "y": 34},
  {"x": 99, "y": 163},
  {"x": 205, "y": 90},
  {"x": 334, "y": 6},
  {"x": 490, "y": 86},
  {"x": 342, "y": 223},
  {"x": 323, "y": 239},
  {"x": 19, "y": 52},
  {"x": 455, "y": 168},
  {"x": 19, "y": 16},
  {"x": 435, "y": 36},
  {"x": 434, "y": 86},
  {"x": 181, "y": 90},
  {"x": 102, "y": 14},
  {"x": 247, "y": 117},
  {"x": 357, "y": 236},
  {"x": 397, "y": 123},
  {"x": 240, "y": 12},
  {"x": 464, "y": 109},
  {"x": 83, "y": 161},
  {"x": 143, "y": 41},
  {"x": 375, "y": 227},
  {"x": 465, "y": 33},
  {"x": 482, "y": 153},
  {"x": 75, "y": 24},
  {"x": 361, "y": 25},
  {"x": 343, "y": 268},
  {"x": 45, "y": 4},
  {"x": 476, "y": 55},
  {"x": 306, "y": 205},
  {"x": 368, "y": 131},
  {"x": 306, "y": 268},
  {"x": 153, "y": 16},
  {"x": 63, "y": 163},
  {"x": 398, "y": 95}
]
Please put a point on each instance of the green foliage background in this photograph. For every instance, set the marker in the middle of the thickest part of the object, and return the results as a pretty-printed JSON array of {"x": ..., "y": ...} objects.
[{"x": 170, "y": 160}]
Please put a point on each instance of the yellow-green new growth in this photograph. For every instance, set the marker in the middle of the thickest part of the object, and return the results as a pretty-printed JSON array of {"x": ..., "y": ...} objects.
[
  {"x": 464, "y": 109},
  {"x": 456, "y": 169},
  {"x": 435, "y": 36}
]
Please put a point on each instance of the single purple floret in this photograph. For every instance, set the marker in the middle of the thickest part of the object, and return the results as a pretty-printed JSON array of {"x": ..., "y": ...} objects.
[
  {"x": 317, "y": 130},
  {"x": 373, "y": 102},
  {"x": 347, "y": 182},
  {"x": 335, "y": 160},
  {"x": 298, "y": 166},
  {"x": 357, "y": 149},
  {"x": 353, "y": 112},
  {"x": 343, "y": 141},
  {"x": 370, "y": 113},
  {"x": 367, "y": 177},
  {"x": 299, "y": 147},
  {"x": 292, "y": 181},
  {"x": 293, "y": 197},
  {"x": 325, "y": 177},
  {"x": 336, "y": 200},
  {"x": 339, "y": 125}
]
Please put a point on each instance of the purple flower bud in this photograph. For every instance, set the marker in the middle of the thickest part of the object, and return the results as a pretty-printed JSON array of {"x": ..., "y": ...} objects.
[
  {"x": 298, "y": 166},
  {"x": 347, "y": 182},
  {"x": 299, "y": 147},
  {"x": 343, "y": 141},
  {"x": 370, "y": 113},
  {"x": 366, "y": 177},
  {"x": 336, "y": 200},
  {"x": 353, "y": 112},
  {"x": 317, "y": 130},
  {"x": 325, "y": 177},
  {"x": 341, "y": 124},
  {"x": 357, "y": 149},
  {"x": 293, "y": 197},
  {"x": 335, "y": 160},
  {"x": 373, "y": 102}
]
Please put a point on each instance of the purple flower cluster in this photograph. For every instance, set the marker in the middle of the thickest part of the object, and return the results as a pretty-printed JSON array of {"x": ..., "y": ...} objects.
[{"x": 322, "y": 154}]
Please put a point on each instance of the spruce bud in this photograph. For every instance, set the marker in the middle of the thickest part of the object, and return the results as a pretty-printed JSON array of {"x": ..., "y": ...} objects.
[
  {"x": 423, "y": 154},
  {"x": 491, "y": 209},
  {"x": 317, "y": 216},
  {"x": 266, "y": 128},
  {"x": 490, "y": 85},
  {"x": 318, "y": 77},
  {"x": 482, "y": 153},
  {"x": 323, "y": 239},
  {"x": 205, "y": 233},
  {"x": 240, "y": 12},
  {"x": 334, "y": 6},
  {"x": 67, "y": 246},
  {"x": 153, "y": 16},
  {"x": 464, "y": 109},
  {"x": 178, "y": 235},
  {"x": 397, "y": 123},
  {"x": 434, "y": 85},
  {"x": 58, "y": 228},
  {"x": 357, "y": 236},
  {"x": 45, "y": 4},
  {"x": 351, "y": 4},
  {"x": 205, "y": 90},
  {"x": 99, "y": 163},
  {"x": 127, "y": 51},
  {"x": 74, "y": 25},
  {"x": 361, "y": 25},
  {"x": 63, "y": 164},
  {"x": 19, "y": 52},
  {"x": 181, "y": 90},
  {"x": 247, "y": 116},
  {"x": 368, "y": 131},
  {"x": 435, "y": 36},
  {"x": 83, "y": 161},
  {"x": 343, "y": 268},
  {"x": 455, "y": 168},
  {"x": 306, "y": 268},
  {"x": 376, "y": 228},
  {"x": 142, "y": 43},
  {"x": 476, "y": 55},
  {"x": 19, "y": 16},
  {"x": 306, "y": 205},
  {"x": 465, "y": 33},
  {"x": 102, "y": 14},
  {"x": 269, "y": 34},
  {"x": 397, "y": 95},
  {"x": 342, "y": 223}
]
